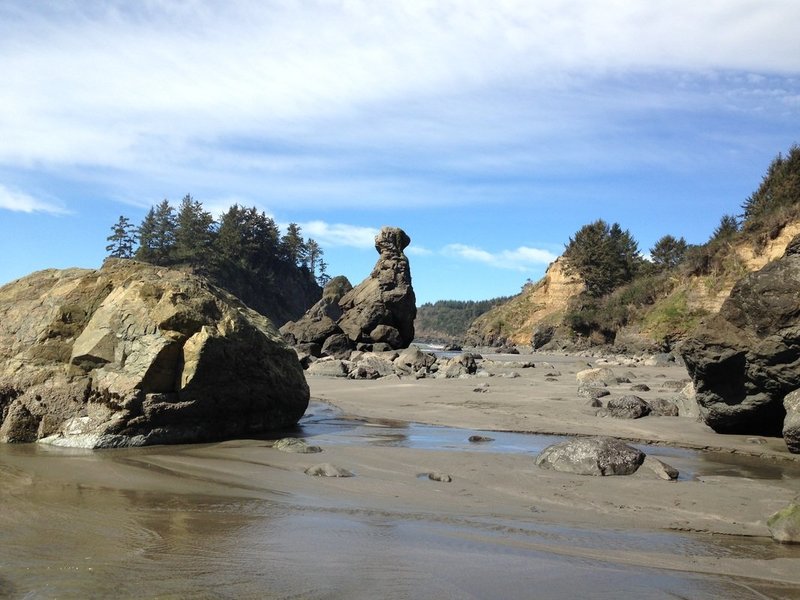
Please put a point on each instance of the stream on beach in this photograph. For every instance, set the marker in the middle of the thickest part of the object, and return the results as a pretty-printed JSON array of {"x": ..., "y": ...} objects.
[{"x": 118, "y": 523}]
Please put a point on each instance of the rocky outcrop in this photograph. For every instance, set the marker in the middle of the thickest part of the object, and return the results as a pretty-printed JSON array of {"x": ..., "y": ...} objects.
[
  {"x": 133, "y": 354},
  {"x": 784, "y": 525},
  {"x": 746, "y": 359},
  {"x": 378, "y": 314},
  {"x": 791, "y": 423},
  {"x": 591, "y": 456}
]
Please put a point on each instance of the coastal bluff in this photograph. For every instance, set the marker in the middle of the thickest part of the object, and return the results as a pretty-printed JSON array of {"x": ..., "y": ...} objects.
[{"x": 132, "y": 354}]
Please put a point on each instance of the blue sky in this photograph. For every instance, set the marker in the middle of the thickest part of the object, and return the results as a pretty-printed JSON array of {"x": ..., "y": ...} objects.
[{"x": 489, "y": 131}]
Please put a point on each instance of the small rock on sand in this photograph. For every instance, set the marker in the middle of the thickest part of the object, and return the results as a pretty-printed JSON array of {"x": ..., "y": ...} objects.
[
  {"x": 477, "y": 439},
  {"x": 296, "y": 446},
  {"x": 663, "y": 470},
  {"x": 784, "y": 525},
  {"x": 442, "y": 477},
  {"x": 591, "y": 456},
  {"x": 328, "y": 470}
]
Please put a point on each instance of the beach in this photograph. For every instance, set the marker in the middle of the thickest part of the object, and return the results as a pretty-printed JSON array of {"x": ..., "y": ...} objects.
[{"x": 240, "y": 519}]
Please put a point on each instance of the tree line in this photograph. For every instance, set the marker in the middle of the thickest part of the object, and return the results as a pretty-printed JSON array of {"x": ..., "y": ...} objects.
[{"x": 243, "y": 238}]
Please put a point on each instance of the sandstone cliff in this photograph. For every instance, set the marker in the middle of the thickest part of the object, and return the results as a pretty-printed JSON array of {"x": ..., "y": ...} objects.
[{"x": 134, "y": 354}]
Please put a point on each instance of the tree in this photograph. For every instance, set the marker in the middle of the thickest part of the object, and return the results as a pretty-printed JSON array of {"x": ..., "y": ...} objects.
[
  {"x": 604, "y": 256},
  {"x": 728, "y": 226},
  {"x": 293, "y": 246},
  {"x": 195, "y": 231},
  {"x": 146, "y": 233},
  {"x": 122, "y": 239},
  {"x": 780, "y": 188},
  {"x": 323, "y": 278},
  {"x": 668, "y": 252},
  {"x": 313, "y": 255}
]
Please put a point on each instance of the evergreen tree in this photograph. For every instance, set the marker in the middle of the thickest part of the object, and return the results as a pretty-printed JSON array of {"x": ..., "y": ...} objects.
[
  {"x": 780, "y": 188},
  {"x": 293, "y": 246},
  {"x": 195, "y": 231},
  {"x": 122, "y": 239},
  {"x": 604, "y": 256},
  {"x": 163, "y": 239},
  {"x": 668, "y": 252},
  {"x": 728, "y": 226},
  {"x": 323, "y": 278},
  {"x": 146, "y": 233},
  {"x": 313, "y": 255}
]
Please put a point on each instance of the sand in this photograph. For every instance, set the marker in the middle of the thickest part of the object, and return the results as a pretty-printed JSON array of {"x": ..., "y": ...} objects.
[{"x": 511, "y": 486}]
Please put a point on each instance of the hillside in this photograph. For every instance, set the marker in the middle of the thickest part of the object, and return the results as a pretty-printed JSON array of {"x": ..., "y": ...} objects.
[
  {"x": 659, "y": 303},
  {"x": 446, "y": 321}
]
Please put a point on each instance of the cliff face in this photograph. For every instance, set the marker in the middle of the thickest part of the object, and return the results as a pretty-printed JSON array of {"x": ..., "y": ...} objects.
[
  {"x": 134, "y": 354},
  {"x": 541, "y": 303},
  {"x": 672, "y": 315}
]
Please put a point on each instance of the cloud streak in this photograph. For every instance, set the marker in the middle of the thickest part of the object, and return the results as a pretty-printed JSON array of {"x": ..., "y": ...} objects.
[
  {"x": 523, "y": 258},
  {"x": 16, "y": 201},
  {"x": 340, "y": 234}
]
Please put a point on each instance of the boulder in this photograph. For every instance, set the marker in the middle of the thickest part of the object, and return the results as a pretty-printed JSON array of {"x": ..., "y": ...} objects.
[
  {"x": 784, "y": 525},
  {"x": 412, "y": 359},
  {"x": 599, "y": 377},
  {"x": 627, "y": 407},
  {"x": 134, "y": 354},
  {"x": 662, "y": 407},
  {"x": 319, "y": 322},
  {"x": 591, "y": 456},
  {"x": 458, "y": 366},
  {"x": 542, "y": 335},
  {"x": 371, "y": 366},
  {"x": 746, "y": 359},
  {"x": 791, "y": 424},
  {"x": 329, "y": 367}
]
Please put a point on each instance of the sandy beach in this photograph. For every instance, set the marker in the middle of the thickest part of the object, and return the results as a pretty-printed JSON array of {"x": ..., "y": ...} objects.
[{"x": 241, "y": 519}]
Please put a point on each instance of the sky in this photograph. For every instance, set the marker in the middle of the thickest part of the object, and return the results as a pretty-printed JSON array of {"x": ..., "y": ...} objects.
[{"x": 489, "y": 131}]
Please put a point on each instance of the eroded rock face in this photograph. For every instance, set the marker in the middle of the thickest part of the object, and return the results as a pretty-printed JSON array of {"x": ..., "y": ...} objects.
[
  {"x": 134, "y": 354},
  {"x": 378, "y": 314},
  {"x": 791, "y": 424},
  {"x": 746, "y": 359}
]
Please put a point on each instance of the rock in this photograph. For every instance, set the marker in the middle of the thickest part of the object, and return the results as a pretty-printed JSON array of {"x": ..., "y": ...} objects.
[
  {"x": 640, "y": 387},
  {"x": 442, "y": 477},
  {"x": 599, "y": 377},
  {"x": 542, "y": 334},
  {"x": 628, "y": 407},
  {"x": 337, "y": 345},
  {"x": 592, "y": 392},
  {"x": 686, "y": 402},
  {"x": 463, "y": 364},
  {"x": 479, "y": 439},
  {"x": 784, "y": 525},
  {"x": 319, "y": 322},
  {"x": 412, "y": 359},
  {"x": 452, "y": 348},
  {"x": 661, "y": 407},
  {"x": 791, "y": 424},
  {"x": 591, "y": 456},
  {"x": 505, "y": 349},
  {"x": 134, "y": 354},
  {"x": 328, "y": 470},
  {"x": 663, "y": 470},
  {"x": 746, "y": 359},
  {"x": 384, "y": 304},
  {"x": 595, "y": 403},
  {"x": 371, "y": 366},
  {"x": 295, "y": 446},
  {"x": 660, "y": 360},
  {"x": 329, "y": 367}
]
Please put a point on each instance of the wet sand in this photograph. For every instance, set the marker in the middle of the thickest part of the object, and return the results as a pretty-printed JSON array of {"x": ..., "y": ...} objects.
[{"x": 240, "y": 519}]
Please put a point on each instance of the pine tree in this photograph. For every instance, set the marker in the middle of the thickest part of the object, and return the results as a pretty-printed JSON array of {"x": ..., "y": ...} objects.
[
  {"x": 146, "y": 233},
  {"x": 165, "y": 225},
  {"x": 122, "y": 239},
  {"x": 668, "y": 252},
  {"x": 728, "y": 226},
  {"x": 293, "y": 246},
  {"x": 604, "y": 256},
  {"x": 194, "y": 234}
]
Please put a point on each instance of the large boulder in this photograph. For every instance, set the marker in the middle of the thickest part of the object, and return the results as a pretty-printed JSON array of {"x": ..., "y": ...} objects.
[
  {"x": 134, "y": 354},
  {"x": 382, "y": 308},
  {"x": 746, "y": 359},
  {"x": 591, "y": 456},
  {"x": 378, "y": 314}
]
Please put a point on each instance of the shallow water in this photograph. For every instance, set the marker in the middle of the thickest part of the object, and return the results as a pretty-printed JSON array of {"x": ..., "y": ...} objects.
[{"x": 78, "y": 524}]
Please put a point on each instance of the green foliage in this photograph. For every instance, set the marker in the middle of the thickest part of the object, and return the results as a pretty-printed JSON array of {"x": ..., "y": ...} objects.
[
  {"x": 668, "y": 252},
  {"x": 451, "y": 318},
  {"x": 604, "y": 256},
  {"x": 728, "y": 227},
  {"x": 122, "y": 239},
  {"x": 778, "y": 193},
  {"x": 243, "y": 252}
]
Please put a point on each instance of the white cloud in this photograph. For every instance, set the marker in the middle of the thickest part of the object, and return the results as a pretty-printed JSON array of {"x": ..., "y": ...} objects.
[
  {"x": 418, "y": 250},
  {"x": 521, "y": 259},
  {"x": 339, "y": 234},
  {"x": 21, "y": 202}
]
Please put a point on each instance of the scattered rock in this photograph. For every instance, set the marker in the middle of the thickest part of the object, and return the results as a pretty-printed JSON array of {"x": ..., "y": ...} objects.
[
  {"x": 784, "y": 525},
  {"x": 591, "y": 456},
  {"x": 442, "y": 477},
  {"x": 627, "y": 407},
  {"x": 663, "y": 470},
  {"x": 640, "y": 387},
  {"x": 661, "y": 407},
  {"x": 371, "y": 366},
  {"x": 482, "y": 388},
  {"x": 295, "y": 446},
  {"x": 328, "y": 470},
  {"x": 599, "y": 377},
  {"x": 463, "y": 364},
  {"x": 595, "y": 403},
  {"x": 329, "y": 367},
  {"x": 412, "y": 360},
  {"x": 660, "y": 360},
  {"x": 542, "y": 335},
  {"x": 478, "y": 439},
  {"x": 593, "y": 392}
]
